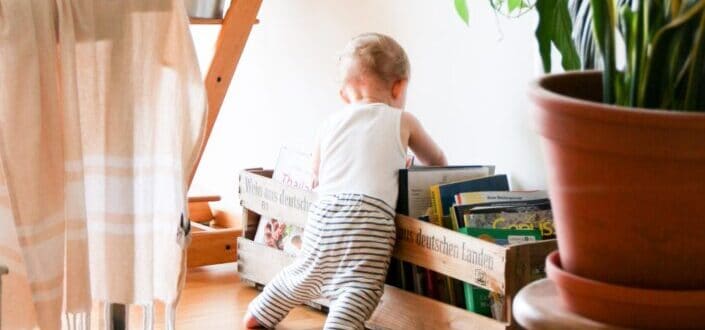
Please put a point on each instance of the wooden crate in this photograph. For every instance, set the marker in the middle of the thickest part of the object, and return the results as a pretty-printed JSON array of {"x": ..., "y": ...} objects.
[
  {"x": 497, "y": 268},
  {"x": 212, "y": 241}
]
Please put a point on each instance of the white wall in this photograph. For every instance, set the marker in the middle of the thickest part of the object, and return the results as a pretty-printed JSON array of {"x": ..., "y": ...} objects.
[{"x": 468, "y": 84}]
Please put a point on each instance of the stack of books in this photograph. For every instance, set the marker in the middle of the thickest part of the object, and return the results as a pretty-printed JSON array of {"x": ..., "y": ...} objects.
[{"x": 477, "y": 202}]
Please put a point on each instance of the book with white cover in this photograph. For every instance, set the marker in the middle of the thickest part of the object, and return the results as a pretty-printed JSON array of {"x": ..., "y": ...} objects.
[{"x": 293, "y": 168}]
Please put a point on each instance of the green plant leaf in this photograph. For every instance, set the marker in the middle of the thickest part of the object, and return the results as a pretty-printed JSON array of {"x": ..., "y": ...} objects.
[
  {"x": 603, "y": 25},
  {"x": 555, "y": 27},
  {"x": 667, "y": 71},
  {"x": 461, "y": 7},
  {"x": 695, "y": 92},
  {"x": 629, "y": 25},
  {"x": 513, "y": 5}
]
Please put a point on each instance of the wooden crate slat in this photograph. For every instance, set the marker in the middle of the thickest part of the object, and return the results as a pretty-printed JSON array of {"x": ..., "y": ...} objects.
[
  {"x": 250, "y": 222},
  {"x": 538, "y": 251},
  {"x": 208, "y": 21},
  {"x": 212, "y": 247},
  {"x": 397, "y": 309},
  {"x": 450, "y": 253},
  {"x": 197, "y": 227},
  {"x": 275, "y": 200},
  {"x": 259, "y": 263},
  {"x": 199, "y": 211}
]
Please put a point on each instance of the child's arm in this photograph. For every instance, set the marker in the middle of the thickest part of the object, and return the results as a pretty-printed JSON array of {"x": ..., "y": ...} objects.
[{"x": 418, "y": 140}]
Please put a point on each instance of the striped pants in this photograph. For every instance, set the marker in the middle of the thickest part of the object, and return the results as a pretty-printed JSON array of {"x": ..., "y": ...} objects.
[{"x": 347, "y": 244}]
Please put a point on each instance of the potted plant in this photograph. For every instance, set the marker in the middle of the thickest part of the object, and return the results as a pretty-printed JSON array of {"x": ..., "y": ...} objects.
[{"x": 625, "y": 154}]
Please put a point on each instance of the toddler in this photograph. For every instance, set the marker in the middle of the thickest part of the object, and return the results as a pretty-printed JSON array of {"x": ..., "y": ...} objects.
[{"x": 349, "y": 235}]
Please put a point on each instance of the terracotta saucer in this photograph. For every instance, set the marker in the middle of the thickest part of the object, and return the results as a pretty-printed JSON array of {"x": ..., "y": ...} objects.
[{"x": 627, "y": 306}]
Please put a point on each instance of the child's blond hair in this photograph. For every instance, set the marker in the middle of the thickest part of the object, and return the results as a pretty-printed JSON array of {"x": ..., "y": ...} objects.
[{"x": 374, "y": 54}]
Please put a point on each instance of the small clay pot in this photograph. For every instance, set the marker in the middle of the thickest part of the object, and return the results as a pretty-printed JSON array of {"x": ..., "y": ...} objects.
[
  {"x": 627, "y": 186},
  {"x": 625, "y": 306}
]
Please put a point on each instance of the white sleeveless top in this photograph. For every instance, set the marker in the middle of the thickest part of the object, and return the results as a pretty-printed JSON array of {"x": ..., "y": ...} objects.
[{"x": 361, "y": 152}]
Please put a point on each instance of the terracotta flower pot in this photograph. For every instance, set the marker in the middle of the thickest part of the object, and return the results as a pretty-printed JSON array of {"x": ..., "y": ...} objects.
[
  {"x": 626, "y": 306},
  {"x": 627, "y": 186}
]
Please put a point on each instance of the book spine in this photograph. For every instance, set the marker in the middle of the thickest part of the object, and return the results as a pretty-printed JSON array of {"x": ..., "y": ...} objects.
[
  {"x": 430, "y": 286},
  {"x": 450, "y": 286},
  {"x": 419, "y": 275},
  {"x": 403, "y": 196},
  {"x": 454, "y": 218},
  {"x": 459, "y": 199},
  {"x": 436, "y": 208}
]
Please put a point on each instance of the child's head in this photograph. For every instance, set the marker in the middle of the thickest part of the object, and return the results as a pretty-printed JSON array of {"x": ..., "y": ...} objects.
[{"x": 374, "y": 68}]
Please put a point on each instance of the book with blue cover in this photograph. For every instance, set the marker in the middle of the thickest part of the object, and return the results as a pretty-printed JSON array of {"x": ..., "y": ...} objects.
[
  {"x": 442, "y": 198},
  {"x": 443, "y": 195},
  {"x": 414, "y": 196}
]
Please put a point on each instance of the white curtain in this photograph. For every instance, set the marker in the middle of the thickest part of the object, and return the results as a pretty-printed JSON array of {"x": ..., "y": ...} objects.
[{"x": 102, "y": 112}]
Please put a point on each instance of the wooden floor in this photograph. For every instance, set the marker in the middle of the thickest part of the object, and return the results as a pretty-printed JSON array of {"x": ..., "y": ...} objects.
[{"x": 215, "y": 299}]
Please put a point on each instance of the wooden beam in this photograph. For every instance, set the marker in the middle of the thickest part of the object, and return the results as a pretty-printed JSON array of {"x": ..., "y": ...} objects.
[
  {"x": 197, "y": 199},
  {"x": 235, "y": 30},
  {"x": 197, "y": 227},
  {"x": 205, "y": 21},
  {"x": 199, "y": 212}
]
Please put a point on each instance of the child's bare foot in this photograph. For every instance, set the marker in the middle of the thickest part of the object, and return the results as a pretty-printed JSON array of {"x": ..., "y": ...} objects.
[{"x": 250, "y": 322}]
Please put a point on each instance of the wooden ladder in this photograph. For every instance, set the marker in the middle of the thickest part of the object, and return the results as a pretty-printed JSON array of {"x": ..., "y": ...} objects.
[
  {"x": 234, "y": 32},
  {"x": 211, "y": 245}
]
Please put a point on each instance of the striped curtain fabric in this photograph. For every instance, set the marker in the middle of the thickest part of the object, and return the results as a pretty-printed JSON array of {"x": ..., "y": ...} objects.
[{"x": 102, "y": 112}]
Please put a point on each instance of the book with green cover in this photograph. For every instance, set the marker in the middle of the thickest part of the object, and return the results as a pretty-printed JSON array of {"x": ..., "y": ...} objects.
[
  {"x": 526, "y": 214},
  {"x": 483, "y": 301},
  {"x": 533, "y": 214}
]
